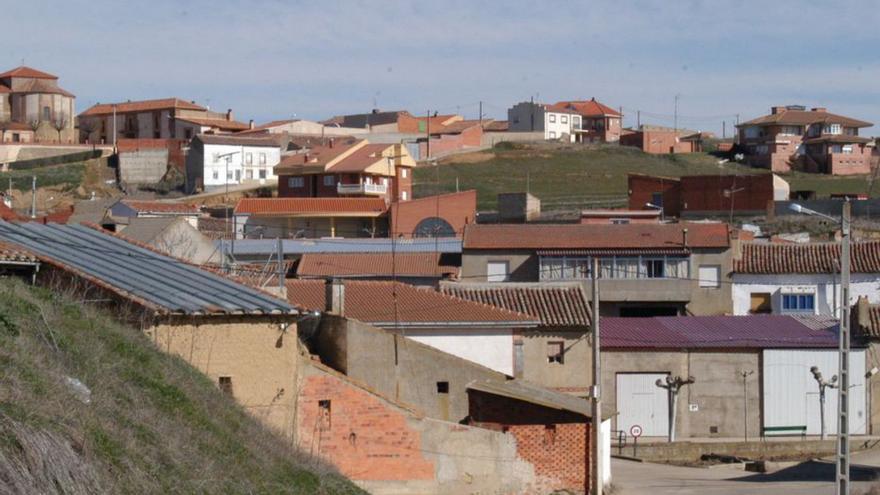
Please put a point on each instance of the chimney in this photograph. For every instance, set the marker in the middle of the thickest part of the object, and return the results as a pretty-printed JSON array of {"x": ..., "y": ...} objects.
[
  {"x": 818, "y": 109},
  {"x": 251, "y": 124},
  {"x": 229, "y": 114},
  {"x": 684, "y": 237},
  {"x": 776, "y": 110},
  {"x": 335, "y": 297}
]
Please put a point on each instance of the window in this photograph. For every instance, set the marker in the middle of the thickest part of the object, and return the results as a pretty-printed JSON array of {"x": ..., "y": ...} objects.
[
  {"x": 188, "y": 134},
  {"x": 552, "y": 134},
  {"x": 324, "y": 408},
  {"x": 238, "y": 175},
  {"x": 752, "y": 132},
  {"x": 709, "y": 276},
  {"x": 657, "y": 199},
  {"x": 653, "y": 268},
  {"x": 404, "y": 196},
  {"x": 249, "y": 158},
  {"x": 556, "y": 352},
  {"x": 846, "y": 149},
  {"x": 385, "y": 181},
  {"x": 249, "y": 174},
  {"x": 762, "y": 149},
  {"x": 262, "y": 173},
  {"x": 798, "y": 303},
  {"x": 47, "y": 113},
  {"x": 225, "y": 384},
  {"x": 262, "y": 158},
  {"x": 576, "y": 121},
  {"x": 553, "y": 118},
  {"x": 497, "y": 271},
  {"x": 617, "y": 267},
  {"x": 760, "y": 303},
  {"x": 442, "y": 387},
  {"x": 563, "y": 119},
  {"x": 620, "y": 221},
  {"x": 329, "y": 180},
  {"x": 403, "y": 173},
  {"x": 229, "y": 175},
  {"x": 295, "y": 182},
  {"x": 832, "y": 129},
  {"x": 790, "y": 130},
  {"x": 215, "y": 174}
]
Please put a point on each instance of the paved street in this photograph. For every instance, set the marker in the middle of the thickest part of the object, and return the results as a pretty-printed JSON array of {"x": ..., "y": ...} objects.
[{"x": 808, "y": 478}]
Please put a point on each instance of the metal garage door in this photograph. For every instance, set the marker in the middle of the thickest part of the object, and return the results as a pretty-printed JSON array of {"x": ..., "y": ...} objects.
[
  {"x": 641, "y": 402},
  {"x": 791, "y": 395}
]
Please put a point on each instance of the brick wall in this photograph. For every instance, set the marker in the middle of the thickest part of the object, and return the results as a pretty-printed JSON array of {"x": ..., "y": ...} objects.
[
  {"x": 706, "y": 193},
  {"x": 458, "y": 209},
  {"x": 642, "y": 188}
]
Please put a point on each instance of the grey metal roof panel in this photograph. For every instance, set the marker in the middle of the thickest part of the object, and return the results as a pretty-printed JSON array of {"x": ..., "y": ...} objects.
[
  {"x": 166, "y": 284},
  {"x": 302, "y": 246}
]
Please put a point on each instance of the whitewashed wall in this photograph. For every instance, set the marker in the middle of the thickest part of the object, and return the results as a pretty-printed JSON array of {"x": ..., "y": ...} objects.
[
  {"x": 492, "y": 348},
  {"x": 825, "y": 287}
]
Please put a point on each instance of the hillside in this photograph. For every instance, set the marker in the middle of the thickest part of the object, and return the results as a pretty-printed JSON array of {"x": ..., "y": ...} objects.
[
  {"x": 149, "y": 423},
  {"x": 573, "y": 177}
]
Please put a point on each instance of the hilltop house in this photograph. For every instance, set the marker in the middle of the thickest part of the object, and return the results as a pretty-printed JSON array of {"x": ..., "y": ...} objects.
[
  {"x": 581, "y": 121},
  {"x": 658, "y": 140},
  {"x": 794, "y": 138},
  {"x": 34, "y": 108},
  {"x": 216, "y": 161}
]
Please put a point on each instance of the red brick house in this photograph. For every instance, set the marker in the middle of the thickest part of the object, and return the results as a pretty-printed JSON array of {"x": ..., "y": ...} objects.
[
  {"x": 660, "y": 140},
  {"x": 347, "y": 167},
  {"x": 794, "y": 138}
]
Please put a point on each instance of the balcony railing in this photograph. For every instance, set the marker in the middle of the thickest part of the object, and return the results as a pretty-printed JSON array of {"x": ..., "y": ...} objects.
[{"x": 377, "y": 189}]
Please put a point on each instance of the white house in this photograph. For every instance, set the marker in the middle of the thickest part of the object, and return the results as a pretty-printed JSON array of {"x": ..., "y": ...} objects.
[
  {"x": 572, "y": 121},
  {"x": 217, "y": 160},
  {"x": 801, "y": 278}
]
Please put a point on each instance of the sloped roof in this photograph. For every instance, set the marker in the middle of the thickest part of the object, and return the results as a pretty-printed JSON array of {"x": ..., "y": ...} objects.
[
  {"x": 555, "y": 305},
  {"x": 143, "y": 276},
  {"x": 586, "y": 108},
  {"x": 373, "y": 265},
  {"x": 805, "y": 117},
  {"x": 43, "y": 86},
  {"x": 10, "y": 253},
  {"x": 387, "y": 303},
  {"x": 224, "y": 124},
  {"x": 694, "y": 332},
  {"x": 236, "y": 140},
  {"x": 146, "y": 206},
  {"x": 311, "y": 206},
  {"x": 362, "y": 158},
  {"x": 776, "y": 258},
  {"x": 24, "y": 71},
  {"x": 142, "y": 106},
  {"x": 612, "y": 237},
  {"x": 145, "y": 230},
  {"x": 534, "y": 394},
  {"x": 350, "y": 245},
  {"x": 317, "y": 156}
]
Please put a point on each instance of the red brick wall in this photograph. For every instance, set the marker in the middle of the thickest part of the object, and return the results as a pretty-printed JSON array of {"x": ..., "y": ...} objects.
[
  {"x": 403, "y": 184},
  {"x": 642, "y": 187},
  {"x": 284, "y": 191},
  {"x": 706, "y": 193},
  {"x": 459, "y": 209},
  {"x": 363, "y": 436}
]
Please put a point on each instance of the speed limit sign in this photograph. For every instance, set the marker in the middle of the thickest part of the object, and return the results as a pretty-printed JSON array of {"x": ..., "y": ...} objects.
[{"x": 635, "y": 430}]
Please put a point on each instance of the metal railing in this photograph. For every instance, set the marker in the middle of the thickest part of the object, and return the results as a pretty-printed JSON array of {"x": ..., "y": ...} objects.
[{"x": 361, "y": 188}]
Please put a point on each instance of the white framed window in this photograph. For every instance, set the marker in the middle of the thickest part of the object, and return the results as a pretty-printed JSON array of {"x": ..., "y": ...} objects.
[
  {"x": 832, "y": 129},
  {"x": 404, "y": 196},
  {"x": 552, "y": 134},
  {"x": 553, "y": 118},
  {"x": 248, "y": 174},
  {"x": 262, "y": 158},
  {"x": 498, "y": 271},
  {"x": 798, "y": 303},
  {"x": 262, "y": 173},
  {"x": 329, "y": 180},
  {"x": 709, "y": 276},
  {"x": 563, "y": 119},
  {"x": 215, "y": 174},
  {"x": 249, "y": 158},
  {"x": 403, "y": 173},
  {"x": 295, "y": 182},
  {"x": 847, "y": 149},
  {"x": 229, "y": 175},
  {"x": 385, "y": 181}
]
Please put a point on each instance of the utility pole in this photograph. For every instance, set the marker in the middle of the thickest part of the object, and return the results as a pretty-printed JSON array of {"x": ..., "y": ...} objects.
[
  {"x": 843, "y": 360},
  {"x": 532, "y": 112},
  {"x": 481, "y": 113},
  {"x": 745, "y": 374},
  {"x": 596, "y": 426},
  {"x": 114, "y": 127},
  {"x": 638, "y": 119},
  {"x": 823, "y": 384},
  {"x": 280, "y": 247},
  {"x": 675, "y": 115},
  {"x": 672, "y": 386},
  {"x": 723, "y": 129},
  {"x": 34, "y": 197},
  {"x": 427, "y": 134}
]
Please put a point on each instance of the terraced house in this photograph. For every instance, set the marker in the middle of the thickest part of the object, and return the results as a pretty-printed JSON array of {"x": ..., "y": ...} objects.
[
  {"x": 794, "y": 138},
  {"x": 646, "y": 269}
]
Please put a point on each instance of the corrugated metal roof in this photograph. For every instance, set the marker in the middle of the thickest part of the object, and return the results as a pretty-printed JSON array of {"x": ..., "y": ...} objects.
[
  {"x": 555, "y": 305},
  {"x": 161, "y": 283},
  {"x": 254, "y": 247},
  {"x": 694, "y": 332}
]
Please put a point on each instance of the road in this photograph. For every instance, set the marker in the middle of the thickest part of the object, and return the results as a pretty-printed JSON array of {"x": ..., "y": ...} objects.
[{"x": 808, "y": 478}]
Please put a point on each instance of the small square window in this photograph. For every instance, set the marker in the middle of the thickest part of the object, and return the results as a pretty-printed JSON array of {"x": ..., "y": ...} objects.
[
  {"x": 552, "y": 118},
  {"x": 225, "y": 384},
  {"x": 403, "y": 173},
  {"x": 329, "y": 180},
  {"x": 295, "y": 182},
  {"x": 552, "y": 134},
  {"x": 262, "y": 173},
  {"x": 215, "y": 174},
  {"x": 709, "y": 276},
  {"x": 249, "y": 158},
  {"x": 248, "y": 174},
  {"x": 556, "y": 352},
  {"x": 563, "y": 119},
  {"x": 262, "y": 158},
  {"x": 442, "y": 387}
]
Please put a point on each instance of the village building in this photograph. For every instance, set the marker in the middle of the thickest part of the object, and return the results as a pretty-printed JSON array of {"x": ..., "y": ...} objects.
[
  {"x": 815, "y": 140},
  {"x": 420, "y": 269},
  {"x": 788, "y": 278},
  {"x": 658, "y": 140},
  {"x": 217, "y": 161},
  {"x": 581, "y": 121},
  {"x": 174, "y": 236},
  {"x": 34, "y": 108},
  {"x": 313, "y": 218},
  {"x": 121, "y": 211}
]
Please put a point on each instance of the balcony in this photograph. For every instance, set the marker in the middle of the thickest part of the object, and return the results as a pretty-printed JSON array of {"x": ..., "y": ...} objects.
[{"x": 361, "y": 189}]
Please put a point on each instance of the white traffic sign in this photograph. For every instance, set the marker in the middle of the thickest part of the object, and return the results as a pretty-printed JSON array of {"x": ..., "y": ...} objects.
[{"x": 635, "y": 430}]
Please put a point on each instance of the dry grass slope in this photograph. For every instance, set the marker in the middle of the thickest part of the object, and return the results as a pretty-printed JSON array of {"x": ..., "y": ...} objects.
[{"x": 152, "y": 424}]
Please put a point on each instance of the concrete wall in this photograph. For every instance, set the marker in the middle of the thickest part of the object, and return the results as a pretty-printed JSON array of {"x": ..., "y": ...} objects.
[
  {"x": 146, "y": 166},
  {"x": 388, "y": 449},
  {"x": 492, "y": 138},
  {"x": 397, "y": 367},
  {"x": 489, "y": 347},
  {"x": 526, "y": 117},
  {"x": 825, "y": 287},
  {"x": 523, "y": 265},
  {"x": 717, "y": 392},
  {"x": 573, "y": 375},
  {"x": 260, "y": 358},
  {"x": 184, "y": 241}
]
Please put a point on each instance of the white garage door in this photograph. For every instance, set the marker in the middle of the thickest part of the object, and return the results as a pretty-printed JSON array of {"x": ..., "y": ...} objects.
[
  {"x": 641, "y": 402},
  {"x": 791, "y": 395}
]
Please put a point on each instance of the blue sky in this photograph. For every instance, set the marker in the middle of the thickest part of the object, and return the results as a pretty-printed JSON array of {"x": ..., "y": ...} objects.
[{"x": 275, "y": 59}]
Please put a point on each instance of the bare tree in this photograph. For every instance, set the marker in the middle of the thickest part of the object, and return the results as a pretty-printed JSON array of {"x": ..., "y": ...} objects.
[
  {"x": 88, "y": 127},
  {"x": 5, "y": 125},
  {"x": 59, "y": 123},
  {"x": 35, "y": 124}
]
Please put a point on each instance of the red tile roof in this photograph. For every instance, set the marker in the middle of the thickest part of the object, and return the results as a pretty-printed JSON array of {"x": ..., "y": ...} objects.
[
  {"x": 223, "y": 124},
  {"x": 707, "y": 332},
  {"x": 15, "y": 254},
  {"x": 142, "y": 106},
  {"x": 588, "y": 108},
  {"x": 572, "y": 236},
  {"x": 362, "y": 158},
  {"x": 775, "y": 258},
  {"x": 316, "y": 156},
  {"x": 386, "y": 303},
  {"x": 311, "y": 206},
  {"x": 237, "y": 140},
  {"x": 867, "y": 324},
  {"x": 373, "y": 265},
  {"x": 143, "y": 206},
  {"x": 27, "y": 72},
  {"x": 556, "y": 306},
  {"x": 805, "y": 117}
]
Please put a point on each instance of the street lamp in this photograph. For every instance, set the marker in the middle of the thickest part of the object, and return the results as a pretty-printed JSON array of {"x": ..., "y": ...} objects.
[
  {"x": 823, "y": 384},
  {"x": 660, "y": 208},
  {"x": 673, "y": 386},
  {"x": 842, "y": 476}
]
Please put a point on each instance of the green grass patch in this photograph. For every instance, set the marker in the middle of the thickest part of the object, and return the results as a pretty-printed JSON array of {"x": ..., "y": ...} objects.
[{"x": 70, "y": 175}]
